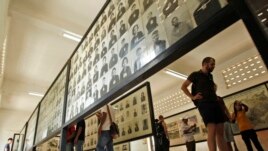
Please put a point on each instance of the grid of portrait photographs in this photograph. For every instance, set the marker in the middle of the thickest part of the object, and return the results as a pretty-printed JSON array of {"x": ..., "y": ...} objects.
[
  {"x": 256, "y": 98},
  {"x": 133, "y": 116},
  {"x": 29, "y": 139},
  {"x": 91, "y": 132},
  {"x": 50, "y": 145},
  {"x": 122, "y": 147},
  {"x": 51, "y": 108},
  {"x": 127, "y": 36},
  {"x": 175, "y": 123}
]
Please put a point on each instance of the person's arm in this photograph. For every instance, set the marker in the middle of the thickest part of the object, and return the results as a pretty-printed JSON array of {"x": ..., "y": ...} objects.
[
  {"x": 189, "y": 130},
  {"x": 233, "y": 118},
  {"x": 165, "y": 129},
  {"x": 71, "y": 136},
  {"x": 187, "y": 92},
  {"x": 102, "y": 119},
  {"x": 77, "y": 135}
]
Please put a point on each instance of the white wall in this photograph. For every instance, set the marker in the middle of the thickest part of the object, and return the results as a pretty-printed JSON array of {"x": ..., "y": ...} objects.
[{"x": 11, "y": 122}]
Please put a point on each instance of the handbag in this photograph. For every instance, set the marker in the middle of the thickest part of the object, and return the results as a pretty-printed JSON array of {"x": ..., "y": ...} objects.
[{"x": 114, "y": 130}]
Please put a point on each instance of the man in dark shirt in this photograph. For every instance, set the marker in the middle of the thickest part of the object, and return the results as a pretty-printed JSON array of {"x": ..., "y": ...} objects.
[
  {"x": 204, "y": 97},
  {"x": 134, "y": 14},
  {"x": 159, "y": 45},
  {"x": 80, "y": 135},
  {"x": 122, "y": 28},
  {"x": 8, "y": 145},
  {"x": 169, "y": 7},
  {"x": 152, "y": 22},
  {"x": 137, "y": 63},
  {"x": 114, "y": 80},
  {"x": 124, "y": 48}
]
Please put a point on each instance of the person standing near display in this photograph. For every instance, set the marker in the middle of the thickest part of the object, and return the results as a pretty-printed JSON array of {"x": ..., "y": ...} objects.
[
  {"x": 8, "y": 145},
  {"x": 105, "y": 140},
  {"x": 246, "y": 128},
  {"x": 162, "y": 134},
  {"x": 80, "y": 135},
  {"x": 70, "y": 138},
  {"x": 205, "y": 99},
  {"x": 188, "y": 133}
]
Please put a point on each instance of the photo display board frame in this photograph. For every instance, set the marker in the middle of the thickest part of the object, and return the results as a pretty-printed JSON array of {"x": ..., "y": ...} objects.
[
  {"x": 16, "y": 140},
  {"x": 256, "y": 98},
  {"x": 22, "y": 138},
  {"x": 123, "y": 39},
  {"x": 122, "y": 147},
  {"x": 174, "y": 127},
  {"x": 51, "y": 108},
  {"x": 91, "y": 132},
  {"x": 31, "y": 130},
  {"x": 134, "y": 114}
]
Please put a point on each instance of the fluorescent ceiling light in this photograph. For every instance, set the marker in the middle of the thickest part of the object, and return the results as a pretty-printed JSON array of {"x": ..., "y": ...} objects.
[
  {"x": 36, "y": 94},
  {"x": 175, "y": 74},
  {"x": 72, "y": 36}
]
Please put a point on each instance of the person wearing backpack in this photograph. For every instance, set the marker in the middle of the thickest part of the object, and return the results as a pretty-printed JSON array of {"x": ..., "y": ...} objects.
[{"x": 162, "y": 134}]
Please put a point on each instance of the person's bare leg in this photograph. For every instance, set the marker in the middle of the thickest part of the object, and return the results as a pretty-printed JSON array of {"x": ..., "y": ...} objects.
[
  {"x": 229, "y": 146},
  {"x": 220, "y": 137},
  {"x": 211, "y": 137}
]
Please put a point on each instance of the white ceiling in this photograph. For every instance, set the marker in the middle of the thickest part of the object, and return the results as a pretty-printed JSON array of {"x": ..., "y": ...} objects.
[{"x": 36, "y": 51}]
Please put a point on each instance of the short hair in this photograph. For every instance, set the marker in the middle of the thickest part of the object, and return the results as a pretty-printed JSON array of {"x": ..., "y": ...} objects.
[
  {"x": 10, "y": 139},
  {"x": 207, "y": 60},
  {"x": 161, "y": 116}
]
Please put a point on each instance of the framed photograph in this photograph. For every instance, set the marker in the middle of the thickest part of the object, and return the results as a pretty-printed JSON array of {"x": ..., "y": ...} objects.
[
  {"x": 29, "y": 139},
  {"x": 51, "y": 145},
  {"x": 91, "y": 132},
  {"x": 134, "y": 114},
  {"x": 256, "y": 98},
  {"x": 122, "y": 147},
  {"x": 178, "y": 24},
  {"x": 54, "y": 97},
  {"x": 175, "y": 123}
]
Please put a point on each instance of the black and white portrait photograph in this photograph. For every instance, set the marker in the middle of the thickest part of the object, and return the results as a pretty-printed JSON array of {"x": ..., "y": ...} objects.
[
  {"x": 104, "y": 68},
  {"x": 125, "y": 70},
  {"x": 96, "y": 74},
  {"x": 114, "y": 78},
  {"x": 104, "y": 86},
  {"x": 146, "y": 4},
  {"x": 114, "y": 57},
  {"x": 123, "y": 46},
  {"x": 113, "y": 38},
  {"x": 103, "y": 18},
  {"x": 89, "y": 87},
  {"x": 178, "y": 24},
  {"x": 122, "y": 26},
  {"x": 96, "y": 56},
  {"x": 96, "y": 41},
  {"x": 96, "y": 27},
  {"x": 134, "y": 13},
  {"x": 137, "y": 34},
  {"x": 95, "y": 92},
  {"x": 157, "y": 42},
  {"x": 169, "y": 6},
  {"x": 112, "y": 21},
  {"x": 121, "y": 9},
  {"x": 90, "y": 37},
  {"x": 104, "y": 49},
  {"x": 111, "y": 8},
  {"x": 151, "y": 19},
  {"x": 103, "y": 33},
  {"x": 130, "y": 2},
  {"x": 204, "y": 9},
  {"x": 138, "y": 61}
]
